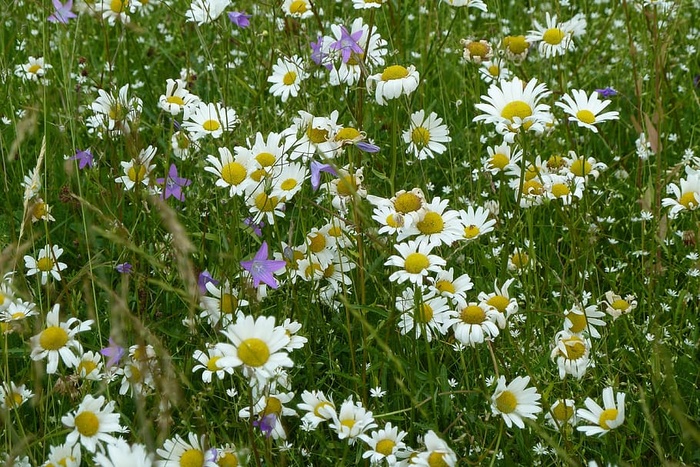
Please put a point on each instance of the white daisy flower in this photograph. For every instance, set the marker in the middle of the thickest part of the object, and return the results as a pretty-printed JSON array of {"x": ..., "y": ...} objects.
[
  {"x": 34, "y": 70},
  {"x": 206, "y": 11},
  {"x": 437, "y": 452},
  {"x": 137, "y": 171},
  {"x": 121, "y": 454},
  {"x": 113, "y": 10},
  {"x": 515, "y": 401},
  {"x": 65, "y": 455},
  {"x": 429, "y": 315},
  {"x": 113, "y": 115},
  {"x": 426, "y": 135},
  {"x": 577, "y": 320},
  {"x": 177, "y": 98},
  {"x": 478, "y": 4},
  {"x": 554, "y": 38},
  {"x": 476, "y": 222},
  {"x": 318, "y": 407},
  {"x": 176, "y": 452},
  {"x": 208, "y": 363},
  {"x": 603, "y": 419},
  {"x": 415, "y": 261},
  {"x": 210, "y": 119},
  {"x": 586, "y": 110},
  {"x": 393, "y": 82},
  {"x": 571, "y": 353},
  {"x": 561, "y": 413},
  {"x": 500, "y": 299},
  {"x": 687, "y": 196},
  {"x": 385, "y": 443},
  {"x": 93, "y": 424},
  {"x": 352, "y": 420},
  {"x": 287, "y": 75},
  {"x": 476, "y": 323},
  {"x": 300, "y": 9},
  {"x": 437, "y": 225},
  {"x": 446, "y": 285},
  {"x": 233, "y": 172},
  {"x": 13, "y": 396},
  {"x": 46, "y": 263}
]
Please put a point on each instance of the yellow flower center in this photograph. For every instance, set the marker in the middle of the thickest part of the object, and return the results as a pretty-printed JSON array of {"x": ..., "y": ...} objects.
[
  {"x": 553, "y": 36},
  {"x": 562, "y": 412},
  {"x": 533, "y": 187},
  {"x": 355, "y": 59},
  {"x": 288, "y": 184},
  {"x": 228, "y": 303},
  {"x": 431, "y": 223},
  {"x": 514, "y": 109},
  {"x": 253, "y": 352},
  {"x": 506, "y": 402},
  {"x": 34, "y": 68},
  {"x": 18, "y": 315},
  {"x": 471, "y": 231},
  {"x": 519, "y": 259},
  {"x": 273, "y": 406},
  {"x": 420, "y": 137},
  {"x": 437, "y": 459},
  {"x": 689, "y": 200},
  {"x": 516, "y": 44},
  {"x": 407, "y": 202},
  {"x": 87, "y": 423},
  {"x": 620, "y": 304},
  {"x": 134, "y": 374},
  {"x": 348, "y": 422},
  {"x": 329, "y": 271},
  {"x": 45, "y": 264},
  {"x": 234, "y": 173},
  {"x": 319, "y": 406},
  {"x": 266, "y": 203},
  {"x": 117, "y": 112},
  {"x": 228, "y": 459},
  {"x": 581, "y": 167},
  {"x": 335, "y": 231},
  {"x": 211, "y": 364},
  {"x": 555, "y": 161},
  {"x": 348, "y": 134},
  {"x": 394, "y": 72},
  {"x": 137, "y": 173},
  {"x": 311, "y": 270},
  {"x": 266, "y": 159},
  {"x": 586, "y": 116},
  {"x": 40, "y": 210},
  {"x": 578, "y": 322},
  {"x": 257, "y": 175},
  {"x": 473, "y": 314},
  {"x": 606, "y": 416},
  {"x": 385, "y": 447},
  {"x": 425, "y": 314},
  {"x": 317, "y": 243},
  {"x": 211, "y": 125},
  {"x": 183, "y": 142},
  {"x": 499, "y": 302},
  {"x": 478, "y": 49},
  {"x": 317, "y": 135},
  {"x": 289, "y": 78},
  {"x": 298, "y": 7},
  {"x": 53, "y": 338},
  {"x": 175, "y": 100},
  {"x": 347, "y": 186},
  {"x": 416, "y": 263},
  {"x": 560, "y": 190},
  {"x": 445, "y": 286},
  {"x": 499, "y": 161},
  {"x": 118, "y": 6},
  {"x": 86, "y": 367},
  {"x": 575, "y": 347},
  {"x": 192, "y": 458},
  {"x": 13, "y": 399}
]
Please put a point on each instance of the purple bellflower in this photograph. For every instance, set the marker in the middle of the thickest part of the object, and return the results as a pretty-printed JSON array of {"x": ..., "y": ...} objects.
[
  {"x": 266, "y": 424},
  {"x": 239, "y": 18},
  {"x": 316, "y": 169},
  {"x": 84, "y": 158},
  {"x": 114, "y": 352},
  {"x": 124, "y": 268},
  {"x": 261, "y": 268},
  {"x": 63, "y": 12},
  {"x": 347, "y": 44},
  {"x": 318, "y": 55},
  {"x": 173, "y": 184},
  {"x": 204, "y": 278},
  {"x": 606, "y": 92}
]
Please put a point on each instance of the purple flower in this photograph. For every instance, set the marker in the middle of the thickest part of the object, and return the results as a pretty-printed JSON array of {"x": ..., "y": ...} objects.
[
  {"x": 84, "y": 158},
  {"x": 347, "y": 44},
  {"x": 63, "y": 12},
  {"x": 174, "y": 184},
  {"x": 606, "y": 92},
  {"x": 266, "y": 424},
  {"x": 318, "y": 55},
  {"x": 114, "y": 352},
  {"x": 316, "y": 169},
  {"x": 239, "y": 18},
  {"x": 204, "y": 278},
  {"x": 124, "y": 268},
  {"x": 255, "y": 227},
  {"x": 367, "y": 147},
  {"x": 261, "y": 268}
]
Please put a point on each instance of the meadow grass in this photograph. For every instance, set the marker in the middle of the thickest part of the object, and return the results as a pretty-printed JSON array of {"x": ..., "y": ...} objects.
[{"x": 586, "y": 227}]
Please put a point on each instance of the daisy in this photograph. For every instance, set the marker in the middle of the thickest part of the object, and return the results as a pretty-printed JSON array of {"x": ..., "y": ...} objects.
[
  {"x": 287, "y": 75},
  {"x": 509, "y": 106},
  {"x": 437, "y": 452},
  {"x": 346, "y": 187},
  {"x": 409, "y": 206},
  {"x": 13, "y": 396},
  {"x": 571, "y": 353},
  {"x": 318, "y": 136},
  {"x": 516, "y": 48},
  {"x": 93, "y": 424},
  {"x": 90, "y": 366},
  {"x": 586, "y": 110},
  {"x": 233, "y": 172},
  {"x": 393, "y": 82},
  {"x": 478, "y": 4},
  {"x": 177, "y": 98},
  {"x": 476, "y": 323},
  {"x": 519, "y": 261},
  {"x": 687, "y": 195},
  {"x": 564, "y": 188},
  {"x": 206, "y": 11},
  {"x": 41, "y": 211},
  {"x": 426, "y": 135},
  {"x": 385, "y": 443},
  {"x": 46, "y": 263},
  {"x": 476, "y": 51},
  {"x": 554, "y": 38},
  {"x": 428, "y": 314},
  {"x": 263, "y": 206},
  {"x": 415, "y": 261},
  {"x": 515, "y": 401},
  {"x": 65, "y": 455},
  {"x": 176, "y": 452},
  {"x": 268, "y": 153},
  {"x": 616, "y": 306},
  {"x": 493, "y": 71},
  {"x": 318, "y": 407},
  {"x": 34, "y": 70},
  {"x": 137, "y": 171},
  {"x": 300, "y": 9},
  {"x": 352, "y": 420},
  {"x": 257, "y": 345},
  {"x": 437, "y": 226},
  {"x": 210, "y": 119},
  {"x": 269, "y": 410},
  {"x": 475, "y": 222},
  {"x": 368, "y": 54},
  {"x": 446, "y": 285},
  {"x": 223, "y": 306},
  {"x": 288, "y": 180},
  {"x": 584, "y": 167},
  {"x": 208, "y": 363},
  {"x": 561, "y": 413},
  {"x": 7, "y": 294},
  {"x": 18, "y": 310},
  {"x": 121, "y": 454},
  {"x": 113, "y": 11},
  {"x": 182, "y": 145},
  {"x": 114, "y": 114},
  {"x": 577, "y": 320},
  {"x": 606, "y": 419},
  {"x": 295, "y": 341},
  {"x": 367, "y": 4},
  {"x": 500, "y": 299}
]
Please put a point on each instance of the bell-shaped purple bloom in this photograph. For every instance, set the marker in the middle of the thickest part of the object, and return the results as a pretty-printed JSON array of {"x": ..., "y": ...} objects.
[
  {"x": 84, "y": 158},
  {"x": 63, "y": 12},
  {"x": 114, "y": 352},
  {"x": 173, "y": 184},
  {"x": 316, "y": 169},
  {"x": 239, "y": 18},
  {"x": 261, "y": 268},
  {"x": 347, "y": 44}
]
